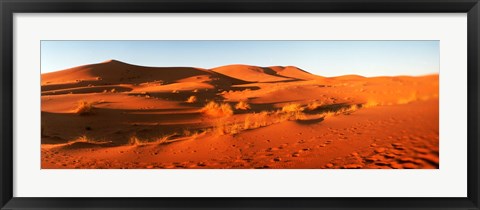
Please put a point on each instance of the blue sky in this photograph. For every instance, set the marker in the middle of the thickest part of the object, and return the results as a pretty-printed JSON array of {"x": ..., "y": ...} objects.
[{"x": 326, "y": 58}]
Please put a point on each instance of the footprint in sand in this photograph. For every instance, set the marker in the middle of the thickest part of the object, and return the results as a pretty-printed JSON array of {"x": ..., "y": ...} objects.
[
  {"x": 407, "y": 160},
  {"x": 432, "y": 159},
  {"x": 281, "y": 147},
  {"x": 398, "y": 146},
  {"x": 380, "y": 150},
  {"x": 382, "y": 163},
  {"x": 353, "y": 166},
  {"x": 389, "y": 155},
  {"x": 409, "y": 166},
  {"x": 421, "y": 150},
  {"x": 397, "y": 152},
  {"x": 396, "y": 165}
]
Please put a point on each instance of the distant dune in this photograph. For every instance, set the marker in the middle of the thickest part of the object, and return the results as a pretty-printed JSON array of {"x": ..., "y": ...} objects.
[
  {"x": 264, "y": 74},
  {"x": 117, "y": 115}
]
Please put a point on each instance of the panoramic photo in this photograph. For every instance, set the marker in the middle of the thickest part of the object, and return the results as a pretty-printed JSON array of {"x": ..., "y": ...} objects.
[{"x": 239, "y": 104}]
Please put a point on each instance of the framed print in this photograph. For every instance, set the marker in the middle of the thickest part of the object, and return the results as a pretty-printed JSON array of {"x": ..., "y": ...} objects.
[{"x": 239, "y": 105}]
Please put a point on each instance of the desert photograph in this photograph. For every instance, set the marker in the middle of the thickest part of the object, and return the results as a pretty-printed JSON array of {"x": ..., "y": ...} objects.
[{"x": 237, "y": 104}]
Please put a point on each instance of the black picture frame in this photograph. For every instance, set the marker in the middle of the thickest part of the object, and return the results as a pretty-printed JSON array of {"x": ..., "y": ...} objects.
[{"x": 10, "y": 7}]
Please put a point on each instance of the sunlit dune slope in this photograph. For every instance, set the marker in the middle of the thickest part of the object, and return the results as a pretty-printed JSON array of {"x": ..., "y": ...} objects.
[
  {"x": 117, "y": 115},
  {"x": 264, "y": 74}
]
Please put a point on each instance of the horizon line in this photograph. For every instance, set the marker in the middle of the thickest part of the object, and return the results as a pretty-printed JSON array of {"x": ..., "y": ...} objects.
[{"x": 284, "y": 66}]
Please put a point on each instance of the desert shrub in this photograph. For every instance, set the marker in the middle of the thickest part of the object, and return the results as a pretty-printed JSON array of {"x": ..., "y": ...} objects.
[
  {"x": 352, "y": 108},
  {"x": 256, "y": 120},
  {"x": 247, "y": 123},
  {"x": 224, "y": 128},
  {"x": 313, "y": 105},
  {"x": 192, "y": 134},
  {"x": 135, "y": 141},
  {"x": 164, "y": 139},
  {"x": 219, "y": 128},
  {"x": 113, "y": 90},
  {"x": 226, "y": 109},
  {"x": 262, "y": 118},
  {"x": 83, "y": 138},
  {"x": 293, "y": 112},
  {"x": 242, "y": 105},
  {"x": 292, "y": 108},
  {"x": 83, "y": 108},
  {"x": 191, "y": 99},
  {"x": 235, "y": 128},
  {"x": 86, "y": 139},
  {"x": 216, "y": 109},
  {"x": 186, "y": 132},
  {"x": 370, "y": 103}
]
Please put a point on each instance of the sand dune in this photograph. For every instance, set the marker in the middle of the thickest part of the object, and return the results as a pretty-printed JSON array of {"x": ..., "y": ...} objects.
[
  {"x": 294, "y": 72},
  {"x": 116, "y": 71},
  {"x": 117, "y": 115},
  {"x": 260, "y": 74}
]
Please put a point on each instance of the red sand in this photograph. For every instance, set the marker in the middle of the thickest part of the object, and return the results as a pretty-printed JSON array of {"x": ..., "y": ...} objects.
[{"x": 139, "y": 117}]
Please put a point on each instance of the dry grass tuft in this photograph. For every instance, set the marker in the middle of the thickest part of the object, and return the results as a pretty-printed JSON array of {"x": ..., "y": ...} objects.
[
  {"x": 218, "y": 110},
  {"x": 164, "y": 139},
  {"x": 370, "y": 103},
  {"x": 191, "y": 99},
  {"x": 86, "y": 139},
  {"x": 293, "y": 112},
  {"x": 292, "y": 108},
  {"x": 247, "y": 122},
  {"x": 83, "y": 107},
  {"x": 235, "y": 128},
  {"x": 135, "y": 141},
  {"x": 83, "y": 139},
  {"x": 192, "y": 134},
  {"x": 242, "y": 105},
  {"x": 224, "y": 128},
  {"x": 219, "y": 128},
  {"x": 313, "y": 105}
]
